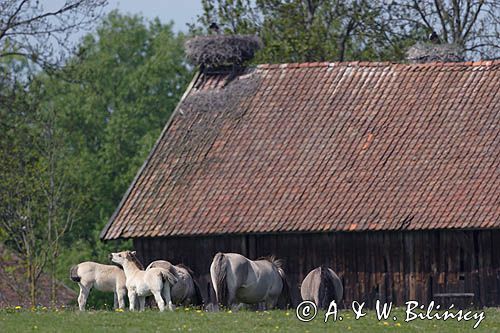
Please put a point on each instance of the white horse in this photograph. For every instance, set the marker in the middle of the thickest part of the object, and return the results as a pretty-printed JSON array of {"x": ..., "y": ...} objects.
[
  {"x": 107, "y": 278},
  {"x": 237, "y": 279},
  {"x": 322, "y": 286},
  {"x": 185, "y": 291},
  {"x": 140, "y": 283}
]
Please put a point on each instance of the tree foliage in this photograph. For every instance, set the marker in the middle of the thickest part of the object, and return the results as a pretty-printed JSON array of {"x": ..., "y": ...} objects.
[
  {"x": 28, "y": 29},
  {"x": 73, "y": 141},
  {"x": 338, "y": 30},
  {"x": 472, "y": 25}
]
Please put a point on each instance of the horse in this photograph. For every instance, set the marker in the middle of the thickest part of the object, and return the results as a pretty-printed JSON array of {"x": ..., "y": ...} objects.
[
  {"x": 322, "y": 286},
  {"x": 186, "y": 291},
  {"x": 107, "y": 278},
  {"x": 140, "y": 283},
  {"x": 237, "y": 279}
]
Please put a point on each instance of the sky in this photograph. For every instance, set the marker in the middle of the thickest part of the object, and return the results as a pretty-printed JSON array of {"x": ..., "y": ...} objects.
[{"x": 179, "y": 11}]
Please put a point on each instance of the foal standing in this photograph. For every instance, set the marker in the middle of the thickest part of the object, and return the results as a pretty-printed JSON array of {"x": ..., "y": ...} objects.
[
  {"x": 140, "y": 283},
  {"x": 108, "y": 278}
]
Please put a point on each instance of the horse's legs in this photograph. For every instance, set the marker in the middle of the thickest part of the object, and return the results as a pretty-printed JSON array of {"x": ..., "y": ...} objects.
[
  {"x": 120, "y": 294},
  {"x": 131, "y": 299},
  {"x": 237, "y": 307},
  {"x": 142, "y": 302},
  {"x": 231, "y": 299},
  {"x": 159, "y": 300},
  {"x": 167, "y": 296},
  {"x": 271, "y": 303},
  {"x": 82, "y": 297},
  {"x": 115, "y": 300}
]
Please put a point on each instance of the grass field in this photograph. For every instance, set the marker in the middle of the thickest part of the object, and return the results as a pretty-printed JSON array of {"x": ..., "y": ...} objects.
[{"x": 186, "y": 320}]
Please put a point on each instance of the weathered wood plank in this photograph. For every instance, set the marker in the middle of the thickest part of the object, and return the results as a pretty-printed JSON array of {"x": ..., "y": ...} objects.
[{"x": 391, "y": 266}]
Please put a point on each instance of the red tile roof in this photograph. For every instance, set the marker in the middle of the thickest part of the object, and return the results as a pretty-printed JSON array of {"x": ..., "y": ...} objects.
[{"x": 325, "y": 147}]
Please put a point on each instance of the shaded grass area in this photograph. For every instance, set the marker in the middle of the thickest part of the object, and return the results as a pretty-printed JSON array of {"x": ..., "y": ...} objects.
[{"x": 19, "y": 320}]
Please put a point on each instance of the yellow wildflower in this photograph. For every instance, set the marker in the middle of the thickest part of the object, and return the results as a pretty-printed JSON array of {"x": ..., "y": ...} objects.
[{"x": 18, "y": 307}]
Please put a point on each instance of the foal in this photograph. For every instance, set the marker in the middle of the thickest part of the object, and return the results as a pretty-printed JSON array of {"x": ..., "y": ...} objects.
[
  {"x": 140, "y": 283},
  {"x": 90, "y": 275}
]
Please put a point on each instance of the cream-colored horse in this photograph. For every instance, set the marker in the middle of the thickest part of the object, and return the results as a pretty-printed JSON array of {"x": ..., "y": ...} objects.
[
  {"x": 140, "y": 283},
  {"x": 107, "y": 278},
  {"x": 237, "y": 279},
  {"x": 185, "y": 291}
]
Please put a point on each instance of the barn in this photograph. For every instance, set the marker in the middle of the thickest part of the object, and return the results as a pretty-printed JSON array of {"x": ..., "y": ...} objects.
[{"x": 388, "y": 173}]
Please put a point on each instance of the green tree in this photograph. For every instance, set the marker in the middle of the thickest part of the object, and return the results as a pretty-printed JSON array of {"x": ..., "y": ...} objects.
[
  {"x": 307, "y": 30},
  {"x": 472, "y": 25},
  {"x": 338, "y": 30},
  {"x": 72, "y": 141},
  {"x": 116, "y": 97}
]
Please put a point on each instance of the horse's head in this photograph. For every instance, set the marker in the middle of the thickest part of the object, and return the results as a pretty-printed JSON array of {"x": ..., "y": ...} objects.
[{"x": 122, "y": 257}]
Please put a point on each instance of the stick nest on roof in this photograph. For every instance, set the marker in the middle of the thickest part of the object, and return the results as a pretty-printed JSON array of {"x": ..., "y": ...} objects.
[
  {"x": 430, "y": 52},
  {"x": 222, "y": 50}
]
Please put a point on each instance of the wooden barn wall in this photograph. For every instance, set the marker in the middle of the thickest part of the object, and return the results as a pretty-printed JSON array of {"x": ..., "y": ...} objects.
[{"x": 390, "y": 266}]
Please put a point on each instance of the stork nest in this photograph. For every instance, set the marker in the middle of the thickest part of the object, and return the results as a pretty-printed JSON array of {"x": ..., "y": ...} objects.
[
  {"x": 221, "y": 50},
  {"x": 429, "y": 52}
]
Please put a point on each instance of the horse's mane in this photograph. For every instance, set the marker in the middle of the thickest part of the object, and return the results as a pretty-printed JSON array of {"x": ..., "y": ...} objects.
[
  {"x": 278, "y": 263},
  {"x": 136, "y": 261}
]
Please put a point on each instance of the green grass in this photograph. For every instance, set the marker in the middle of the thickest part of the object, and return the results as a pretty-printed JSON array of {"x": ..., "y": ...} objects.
[{"x": 20, "y": 320}]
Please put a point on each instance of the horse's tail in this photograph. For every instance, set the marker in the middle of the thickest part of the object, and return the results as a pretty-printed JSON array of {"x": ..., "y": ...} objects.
[
  {"x": 326, "y": 292},
  {"x": 284, "y": 299},
  {"x": 73, "y": 274},
  {"x": 169, "y": 275},
  {"x": 197, "y": 294},
  {"x": 219, "y": 265}
]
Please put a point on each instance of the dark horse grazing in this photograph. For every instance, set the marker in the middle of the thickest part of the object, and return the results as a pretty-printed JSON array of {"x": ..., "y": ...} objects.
[
  {"x": 237, "y": 279},
  {"x": 322, "y": 286}
]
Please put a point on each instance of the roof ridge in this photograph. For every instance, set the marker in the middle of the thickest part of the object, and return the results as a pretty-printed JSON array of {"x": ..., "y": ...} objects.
[{"x": 377, "y": 64}]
